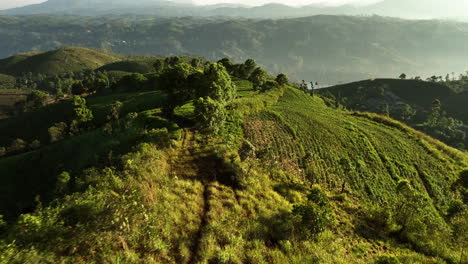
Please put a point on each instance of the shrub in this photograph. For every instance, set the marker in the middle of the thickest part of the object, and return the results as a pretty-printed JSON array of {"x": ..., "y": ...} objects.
[
  {"x": 17, "y": 145},
  {"x": 62, "y": 181},
  {"x": 57, "y": 132},
  {"x": 314, "y": 215}
]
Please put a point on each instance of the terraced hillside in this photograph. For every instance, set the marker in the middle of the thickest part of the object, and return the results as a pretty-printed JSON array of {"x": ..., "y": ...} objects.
[
  {"x": 289, "y": 178},
  {"x": 63, "y": 60},
  {"x": 366, "y": 153}
]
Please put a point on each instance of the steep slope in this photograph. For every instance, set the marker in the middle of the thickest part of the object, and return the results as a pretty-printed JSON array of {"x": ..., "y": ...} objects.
[
  {"x": 368, "y": 154},
  {"x": 66, "y": 59}
]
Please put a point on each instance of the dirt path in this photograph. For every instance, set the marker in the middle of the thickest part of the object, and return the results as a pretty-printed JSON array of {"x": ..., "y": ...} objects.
[{"x": 191, "y": 163}]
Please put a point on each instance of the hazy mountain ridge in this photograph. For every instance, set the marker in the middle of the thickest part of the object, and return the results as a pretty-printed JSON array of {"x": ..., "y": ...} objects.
[
  {"x": 396, "y": 8},
  {"x": 328, "y": 49}
]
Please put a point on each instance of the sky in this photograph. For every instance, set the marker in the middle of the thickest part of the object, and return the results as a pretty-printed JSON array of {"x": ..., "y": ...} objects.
[{"x": 5, "y": 4}]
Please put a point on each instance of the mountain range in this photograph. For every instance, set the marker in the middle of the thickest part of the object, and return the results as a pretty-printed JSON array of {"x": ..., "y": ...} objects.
[{"x": 396, "y": 8}]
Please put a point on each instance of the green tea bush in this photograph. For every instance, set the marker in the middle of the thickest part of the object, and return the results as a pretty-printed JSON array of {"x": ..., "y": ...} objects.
[{"x": 313, "y": 216}]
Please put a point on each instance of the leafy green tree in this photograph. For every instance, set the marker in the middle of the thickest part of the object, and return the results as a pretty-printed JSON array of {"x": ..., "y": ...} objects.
[
  {"x": 403, "y": 76},
  {"x": 83, "y": 115},
  {"x": 217, "y": 84},
  {"x": 247, "y": 68},
  {"x": 210, "y": 115},
  {"x": 258, "y": 77},
  {"x": 57, "y": 132},
  {"x": 158, "y": 66},
  {"x": 434, "y": 116},
  {"x": 385, "y": 110},
  {"x": 227, "y": 64},
  {"x": 175, "y": 81},
  {"x": 282, "y": 79},
  {"x": 133, "y": 82},
  {"x": 405, "y": 112},
  {"x": 62, "y": 181},
  {"x": 173, "y": 61},
  {"x": 196, "y": 62},
  {"x": 37, "y": 99}
]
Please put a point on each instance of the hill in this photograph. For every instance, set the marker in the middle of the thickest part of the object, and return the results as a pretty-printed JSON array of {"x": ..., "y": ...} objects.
[
  {"x": 414, "y": 92},
  {"x": 411, "y": 101},
  {"x": 327, "y": 49},
  {"x": 62, "y": 60},
  {"x": 254, "y": 172}
]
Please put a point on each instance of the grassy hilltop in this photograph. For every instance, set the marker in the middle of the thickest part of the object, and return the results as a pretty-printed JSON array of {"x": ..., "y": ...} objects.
[
  {"x": 141, "y": 170},
  {"x": 434, "y": 106},
  {"x": 66, "y": 59}
]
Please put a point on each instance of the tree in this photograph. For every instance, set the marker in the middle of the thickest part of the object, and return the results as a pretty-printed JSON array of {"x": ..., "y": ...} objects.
[
  {"x": 210, "y": 115},
  {"x": 173, "y": 61},
  {"x": 258, "y": 77},
  {"x": 304, "y": 86},
  {"x": 403, "y": 76},
  {"x": 133, "y": 82},
  {"x": 405, "y": 112},
  {"x": 196, "y": 62},
  {"x": 227, "y": 64},
  {"x": 57, "y": 132},
  {"x": 282, "y": 79},
  {"x": 312, "y": 89},
  {"x": 176, "y": 85},
  {"x": 217, "y": 84},
  {"x": 385, "y": 110},
  {"x": 434, "y": 116},
  {"x": 158, "y": 66},
  {"x": 36, "y": 99},
  {"x": 247, "y": 68},
  {"x": 83, "y": 114}
]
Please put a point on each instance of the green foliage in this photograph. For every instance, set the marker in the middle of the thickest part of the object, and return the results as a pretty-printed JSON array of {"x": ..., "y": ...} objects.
[
  {"x": 132, "y": 82},
  {"x": 246, "y": 69},
  {"x": 175, "y": 83},
  {"x": 57, "y": 132},
  {"x": 217, "y": 84},
  {"x": 36, "y": 99},
  {"x": 314, "y": 215},
  {"x": 258, "y": 77},
  {"x": 282, "y": 79},
  {"x": 83, "y": 114},
  {"x": 210, "y": 115}
]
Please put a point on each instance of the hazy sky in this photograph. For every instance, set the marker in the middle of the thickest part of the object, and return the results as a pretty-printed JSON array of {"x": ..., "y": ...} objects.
[{"x": 4, "y": 4}]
